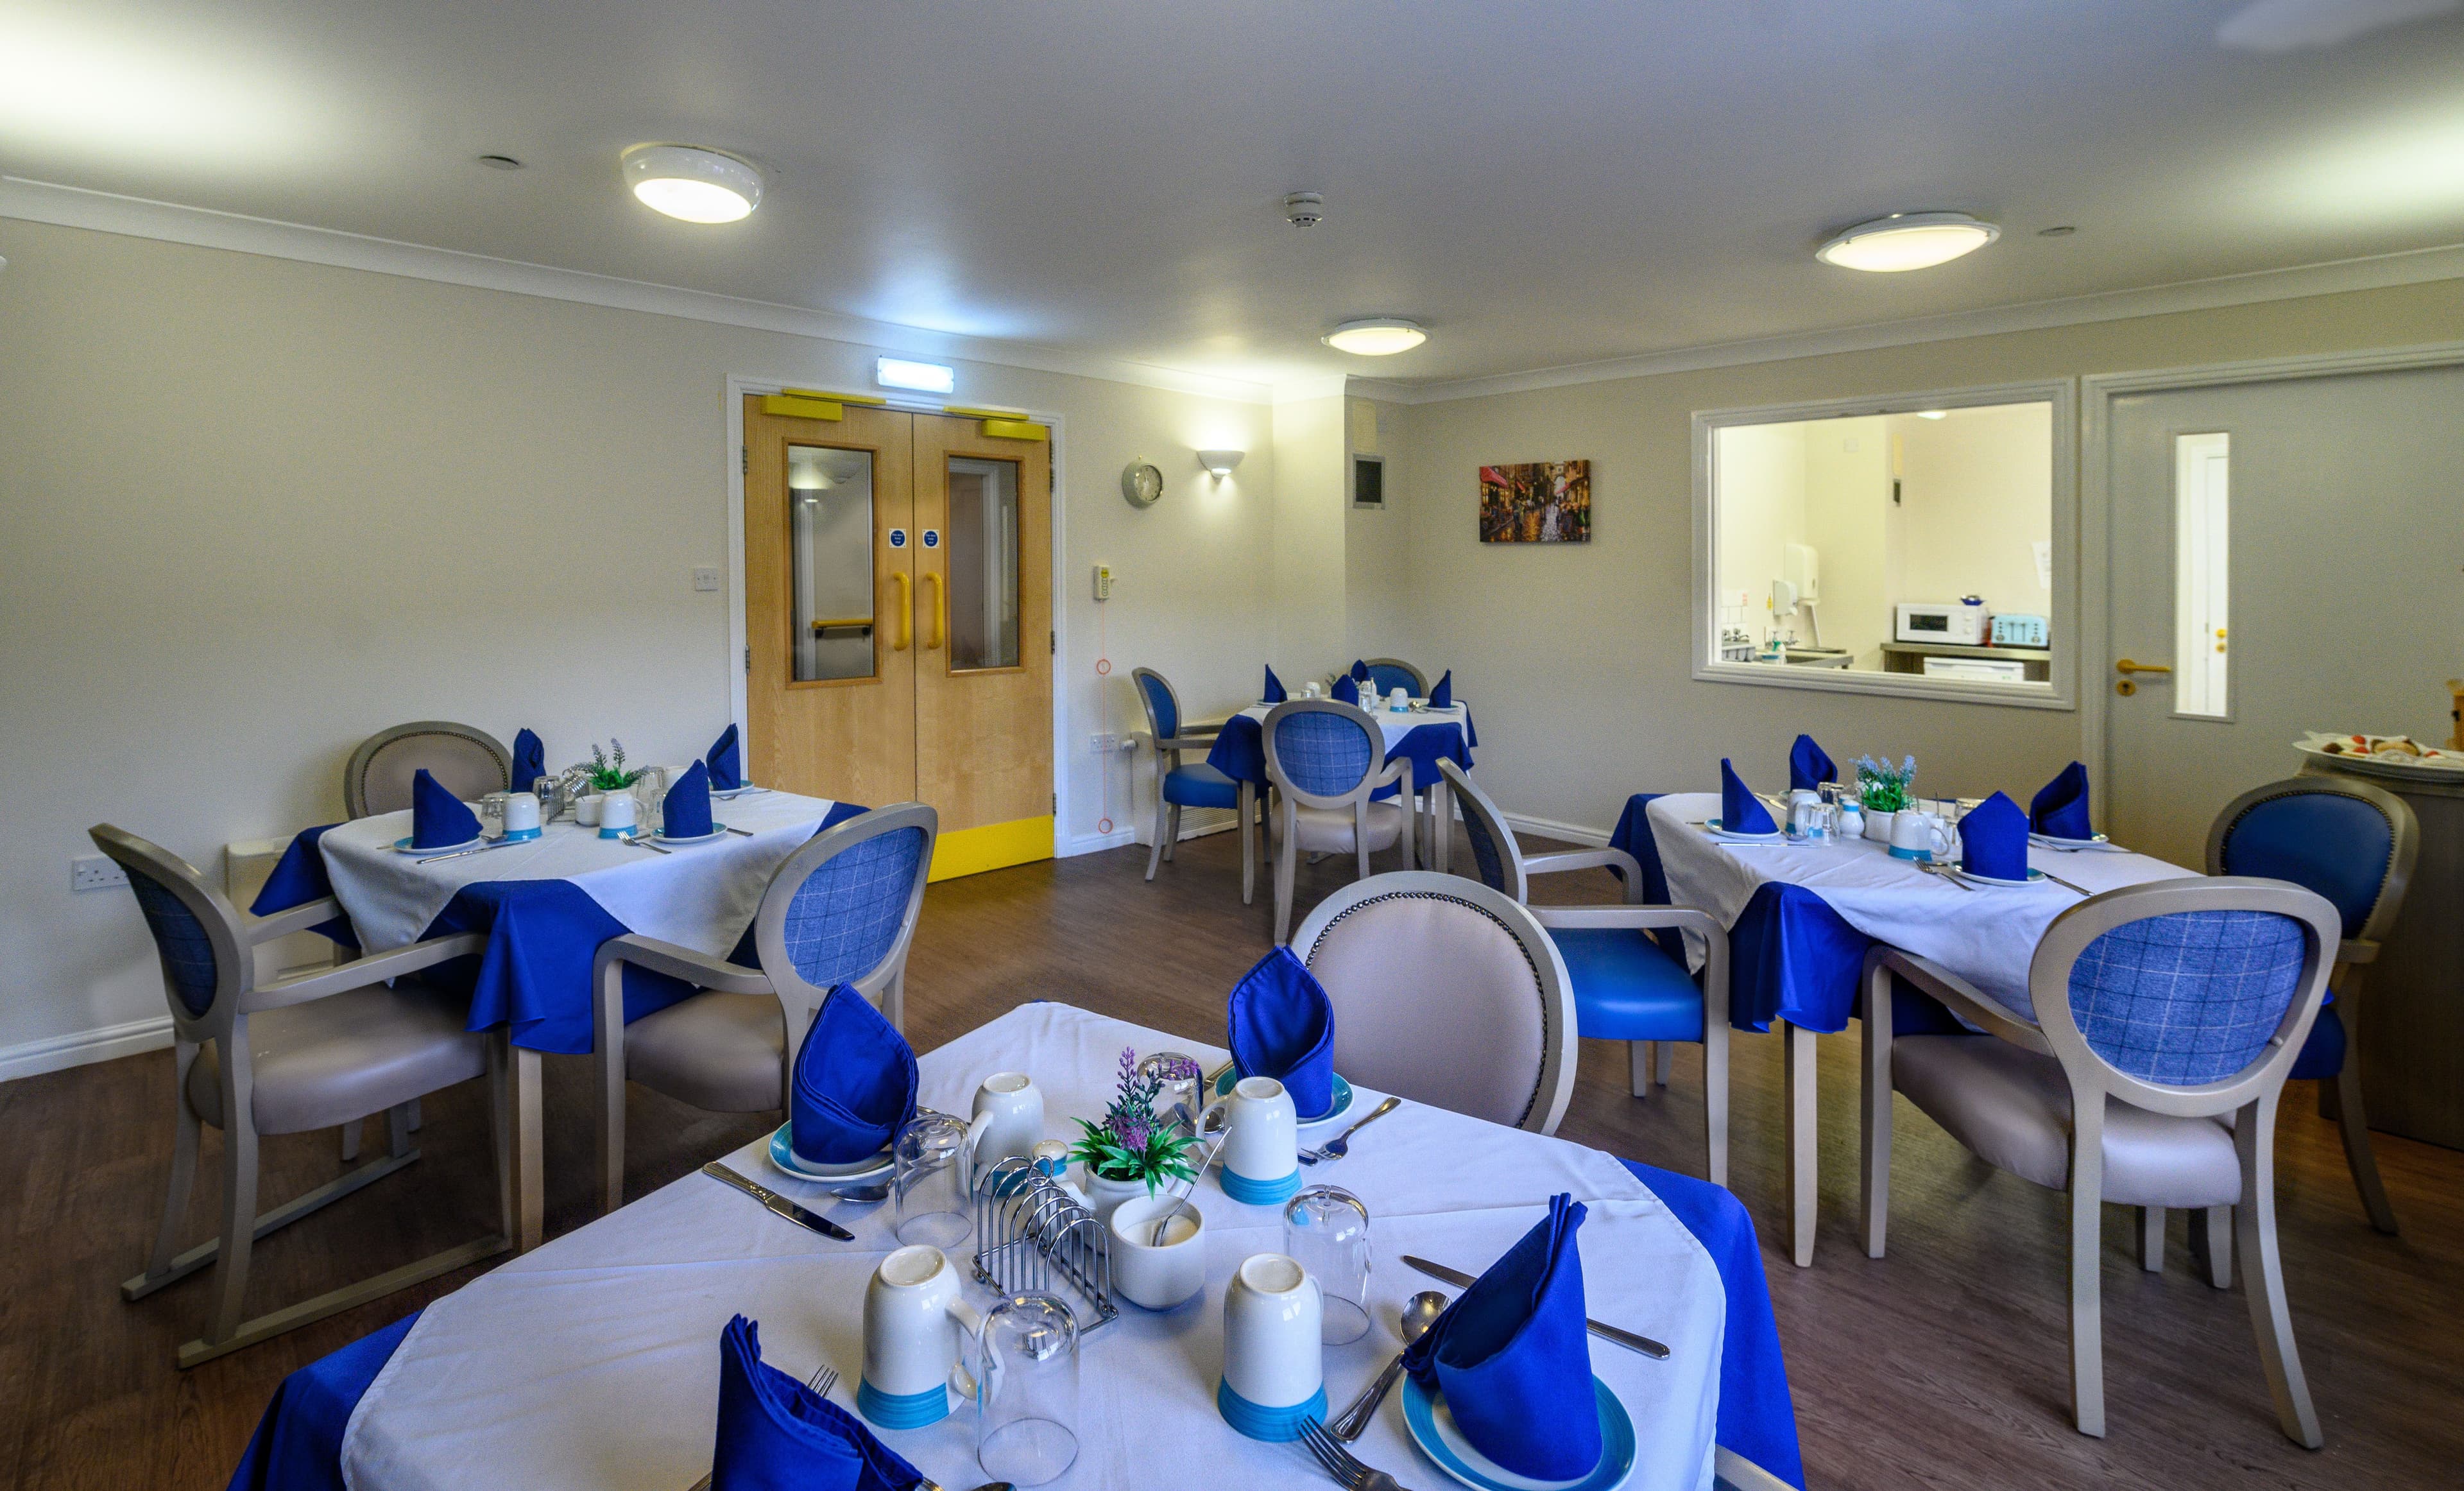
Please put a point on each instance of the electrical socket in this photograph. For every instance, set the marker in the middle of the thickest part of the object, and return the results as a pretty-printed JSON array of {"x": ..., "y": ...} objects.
[
  {"x": 95, "y": 871},
  {"x": 705, "y": 577},
  {"x": 1102, "y": 745}
]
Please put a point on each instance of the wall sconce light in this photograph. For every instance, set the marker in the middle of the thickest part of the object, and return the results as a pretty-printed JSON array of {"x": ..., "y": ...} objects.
[{"x": 1218, "y": 464}]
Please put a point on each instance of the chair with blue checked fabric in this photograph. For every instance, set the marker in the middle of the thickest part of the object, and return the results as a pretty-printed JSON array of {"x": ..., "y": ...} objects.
[
  {"x": 254, "y": 1056},
  {"x": 841, "y": 910},
  {"x": 1628, "y": 985},
  {"x": 2166, "y": 1018},
  {"x": 2354, "y": 844},
  {"x": 1327, "y": 760},
  {"x": 1199, "y": 786},
  {"x": 1390, "y": 674}
]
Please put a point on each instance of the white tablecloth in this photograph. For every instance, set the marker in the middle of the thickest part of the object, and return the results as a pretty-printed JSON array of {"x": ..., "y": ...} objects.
[
  {"x": 1392, "y": 725},
  {"x": 1987, "y": 936},
  {"x": 702, "y": 895},
  {"x": 593, "y": 1361}
]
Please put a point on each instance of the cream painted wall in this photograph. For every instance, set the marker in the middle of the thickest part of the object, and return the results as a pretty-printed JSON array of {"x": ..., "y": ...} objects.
[
  {"x": 1761, "y": 510},
  {"x": 1575, "y": 657},
  {"x": 1975, "y": 497},
  {"x": 252, "y": 509},
  {"x": 1378, "y": 548},
  {"x": 1848, "y": 523},
  {"x": 1309, "y": 614}
]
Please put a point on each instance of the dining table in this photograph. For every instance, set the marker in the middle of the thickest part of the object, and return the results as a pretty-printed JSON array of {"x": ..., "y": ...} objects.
[
  {"x": 1425, "y": 733},
  {"x": 1802, "y": 918},
  {"x": 546, "y": 905},
  {"x": 594, "y": 1360}
]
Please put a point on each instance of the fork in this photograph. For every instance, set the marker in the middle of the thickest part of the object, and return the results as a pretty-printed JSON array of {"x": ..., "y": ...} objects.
[
  {"x": 1339, "y": 1463},
  {"x": 1939, "y": 873},
  {"x": 825, "y": 1377}
]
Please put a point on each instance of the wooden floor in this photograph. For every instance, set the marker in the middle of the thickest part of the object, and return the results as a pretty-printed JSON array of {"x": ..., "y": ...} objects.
[{"x": 1942, "y": 1366}]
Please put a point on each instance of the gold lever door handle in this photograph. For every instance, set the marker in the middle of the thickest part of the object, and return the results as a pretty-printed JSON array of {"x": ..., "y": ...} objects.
[
  {"x": 2125, "y": 665},
  {"x": 906, "y": 611},
  {"x": 940, "y": 611}
]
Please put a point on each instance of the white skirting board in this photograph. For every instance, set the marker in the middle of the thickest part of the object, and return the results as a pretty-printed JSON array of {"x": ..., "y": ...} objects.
[{"x": 58, "y": 1053}]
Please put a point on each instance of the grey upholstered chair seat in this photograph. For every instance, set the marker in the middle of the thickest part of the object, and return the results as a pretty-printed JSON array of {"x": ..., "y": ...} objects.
[
  {"x": 326, "y": 1062},
  {"x": 717, "y": 1051},
  {"x": 2013, "y": 1109},
  {"x": 1329, "y": 830}
]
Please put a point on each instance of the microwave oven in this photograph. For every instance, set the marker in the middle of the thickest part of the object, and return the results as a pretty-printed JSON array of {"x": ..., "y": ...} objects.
[{"x": 1955, "y": 622}]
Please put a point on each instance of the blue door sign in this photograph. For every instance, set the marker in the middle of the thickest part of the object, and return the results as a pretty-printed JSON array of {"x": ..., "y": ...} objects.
[
  {"x": 932, "y": 538},
  {"x": 897, "y": 537}
]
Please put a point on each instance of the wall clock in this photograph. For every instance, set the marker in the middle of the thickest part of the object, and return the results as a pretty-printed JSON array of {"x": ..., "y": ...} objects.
[{"x": 1141, "y": 483}]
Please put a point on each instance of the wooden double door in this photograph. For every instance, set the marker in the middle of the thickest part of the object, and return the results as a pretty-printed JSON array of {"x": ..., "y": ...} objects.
[{"x": 898, "y": 606}]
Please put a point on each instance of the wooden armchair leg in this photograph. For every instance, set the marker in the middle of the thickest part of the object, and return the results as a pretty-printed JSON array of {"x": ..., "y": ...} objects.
[
  {"x": 2354, "y": 1126},
  {"x": 1163, "y": 818},
  {"x": 1715, "y": 1101},
  {"x": 2151, "y": 1239},
  {"x": 350, "y": 1141},
  {"x": 1284, "y": 855},
  {"x": 2087, "y": 1318},
  {"x": 2263, "y": 1275},
  {"x": 1248, "y": 811},
  {"x": 1874, "y": 1113},
  {"x": 2211, "y": 1245},
  {"x": 1638, "y": 1066},
  {"x": 1172, "y": 835}
]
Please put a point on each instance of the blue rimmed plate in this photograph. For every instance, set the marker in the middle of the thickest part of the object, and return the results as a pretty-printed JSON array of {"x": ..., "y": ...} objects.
[
  {"x": 1342, "y": 1104},
  {"x": 1712, "y": 827},
  {"x": 402, "y": 846},
  {"x": 718, "y": 831},
  {"x": 2034, "y": 876},
  {"x": 782, "y": 1154},
  {"x": 1433, "y": 1429}
]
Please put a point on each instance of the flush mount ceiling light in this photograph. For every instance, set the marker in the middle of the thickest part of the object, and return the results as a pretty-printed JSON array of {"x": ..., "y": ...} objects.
[
  {"x": 1907, "y": 240},
  {"x": 696, "y": 184},
  {"x": 1377, "y": 336}
]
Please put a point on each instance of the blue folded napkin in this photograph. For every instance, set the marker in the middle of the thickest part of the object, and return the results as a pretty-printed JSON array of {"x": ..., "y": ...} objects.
[
  {"x": 777, "y": 1434},
  {"x": 1347, "y": 690},
  {"x": 1443, "y": 697},
  {"x": 1275, "y": 693},
  {"x": 2059, "y": 810},
  {"x": 1282, "y": 1026},
  {"x": 1359, "y": 670},
  {"x": 855, "y": 1086},
  {"x": 726, "y": 761},
  {"x": 1510, "y": 1359},
  {"x": 438, "y": 817},
  {"x": 1994, "y": 839},
  {"x": 530, "y": 758},
  {"x": 1809, "y": 765},
  {"x": 1741, "y": 811},
  {"x": 685, "y": 812}
]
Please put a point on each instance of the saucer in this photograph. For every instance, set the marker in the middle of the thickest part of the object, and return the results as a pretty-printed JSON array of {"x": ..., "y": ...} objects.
[
  {"x": 717, "y": 830},
  {"x": 782, "y": 1154},
  {"x": 1433, "y": 1429},
  {"x": 1341, "y": 1102},
  {"x": 2034, "y": 876},
  {"x": 1712, "y": 826},
  {"x": 402, "y": 846}
]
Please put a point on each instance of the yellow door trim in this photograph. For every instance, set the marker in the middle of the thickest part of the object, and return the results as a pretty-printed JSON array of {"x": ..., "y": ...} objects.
[{"x": 995, "y": 846}]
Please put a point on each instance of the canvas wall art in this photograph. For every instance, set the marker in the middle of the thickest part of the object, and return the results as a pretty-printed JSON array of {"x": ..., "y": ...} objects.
[{"x": 1547, "y": 501}]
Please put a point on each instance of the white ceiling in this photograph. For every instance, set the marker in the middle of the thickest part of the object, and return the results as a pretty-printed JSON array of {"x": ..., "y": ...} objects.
[{"x": 1542, "y": 183}]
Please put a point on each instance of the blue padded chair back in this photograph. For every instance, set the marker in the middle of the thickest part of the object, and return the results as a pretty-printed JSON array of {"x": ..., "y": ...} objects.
[
  {"x": 2189, "y": 998},
  {"x": 188, "y": 962},
  {"x": 1388, "y": 677},
  {"x": 848, "y": 915},
  {"x": 2340, "y": 846},
  {"x": 1491, "y": 856},
  {"x": 1163, "y": 711},
  {"x": 1323, "y": 753}
]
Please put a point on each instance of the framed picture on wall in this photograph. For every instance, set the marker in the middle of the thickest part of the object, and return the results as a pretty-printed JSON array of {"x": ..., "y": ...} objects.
[{"x": 1546, "y": 501}]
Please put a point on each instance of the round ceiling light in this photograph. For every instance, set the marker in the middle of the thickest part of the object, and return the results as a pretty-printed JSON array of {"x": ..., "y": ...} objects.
[
  {"x": 1907, "y": 240},
  {"x": 696, "y": 184},
  {"x": 1377, "y": 336}
]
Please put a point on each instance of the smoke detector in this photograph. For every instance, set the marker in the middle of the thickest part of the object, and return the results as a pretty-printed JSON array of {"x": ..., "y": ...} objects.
[{"x": 1304, "y": 209}]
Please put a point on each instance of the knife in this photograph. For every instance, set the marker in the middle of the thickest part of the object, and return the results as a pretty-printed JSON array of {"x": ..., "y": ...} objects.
[
  {"x": 777, "y": 1203},
  {"x": 1624, "y": 1338}
]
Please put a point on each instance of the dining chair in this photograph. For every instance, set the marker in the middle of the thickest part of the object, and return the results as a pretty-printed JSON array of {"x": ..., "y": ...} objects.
[
  {"x": 2166, "y": 1018},
  {"x": 1445, "y": 992},
  {"x": 1325, "y": 760},
  {"x": 1391, "y": 673},
  {"x": 467, "y": 761},
  {"x": 1626, "y": 984},
  {"x": 2354, "y": 844},
  {"x": 840, "y": 910},
  {"x": 1199, "y": 786},
  {"x": 254, "y": 1056}
]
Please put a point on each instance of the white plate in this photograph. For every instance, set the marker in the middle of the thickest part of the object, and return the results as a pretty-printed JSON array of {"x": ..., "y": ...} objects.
[
  {"x": 2033, "y": 877},
  {"x": 1712, "y": 828},
  {"x": 402, "y": 846},
  {"x": 1342, "y": 1099},
  {"x": 782, "y": 1154},
  {"x": 717, "y": 830}
]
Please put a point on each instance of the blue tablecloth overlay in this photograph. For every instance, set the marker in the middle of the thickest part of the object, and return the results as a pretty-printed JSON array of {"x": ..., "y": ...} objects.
[
  {"x": 542, "y": 936},
  {"x": 298, "y": 1443},
  {"x": 1240, "y": 752},
  {"x": 1791, "y": 957}
]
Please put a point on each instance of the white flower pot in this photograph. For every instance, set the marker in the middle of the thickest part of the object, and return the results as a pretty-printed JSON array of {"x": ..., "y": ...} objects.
[
  {"x": 585, "y": 810},
  {"x": 1878, "y": 824},
  {"x": 1104, "y": 1194}
]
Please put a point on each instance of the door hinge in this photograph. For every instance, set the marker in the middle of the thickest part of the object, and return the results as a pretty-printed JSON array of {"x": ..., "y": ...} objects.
[
  {"x": 1056, "y": 802},
  {"x": 748, "y": 658},
  {"x": 1052, "y": 642},
  {"x": 744, "y": 460}
]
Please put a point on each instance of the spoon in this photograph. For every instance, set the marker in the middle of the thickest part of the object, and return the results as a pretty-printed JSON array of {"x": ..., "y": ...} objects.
[
  {"x": 1420, "y": 1313},
  {"x": 862, "y": 1193}
]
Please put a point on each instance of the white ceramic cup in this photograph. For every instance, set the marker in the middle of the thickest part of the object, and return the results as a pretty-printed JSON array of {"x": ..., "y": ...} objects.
[
  {"x": 1157, "y": 1276},
  {"x": 1009, "y": 1120},
  {"x": 521, "y": 813},
  {"x": 1261, "y": 1153},
  {"x": 1918, "y": 835},
  {"x": 1400, "y": 698},
  {"x": 1309, "y": 690},
  {"x": 617, "y": 811},
  {"x": 912, "y": 1315},
  {"x": 1272, "y": 1354}
]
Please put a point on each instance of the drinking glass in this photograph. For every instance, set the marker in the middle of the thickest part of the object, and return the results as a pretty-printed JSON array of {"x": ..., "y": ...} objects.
[
  {"x": 547, "y": 790},
  {"x": 1178, "y": 1075},
  {"x": 1326, "y": 1231},
  {"x": 930, "y": 1179},
  {"x": 492, "y": 806},
  {"x": 1024, "y": 1361},
  {"x": 651, "y": 791}
]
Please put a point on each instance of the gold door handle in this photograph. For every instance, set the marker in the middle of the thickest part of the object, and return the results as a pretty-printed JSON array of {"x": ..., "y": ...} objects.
[
  {"x": 906, "y": 611},
  {"x": 2125, "y": 665},
  {"x": 941, "y": 610}
]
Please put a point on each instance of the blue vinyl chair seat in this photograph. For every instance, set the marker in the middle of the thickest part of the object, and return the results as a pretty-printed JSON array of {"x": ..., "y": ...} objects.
[
  {"x": 2322, "y": 1054},
  {"x": 1626, "y": 988},
  {"x": 1200, "y": 787}
]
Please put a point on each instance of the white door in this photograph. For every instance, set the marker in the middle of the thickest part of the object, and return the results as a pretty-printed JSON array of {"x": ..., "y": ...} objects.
[{"x": 2293, "y": 553}]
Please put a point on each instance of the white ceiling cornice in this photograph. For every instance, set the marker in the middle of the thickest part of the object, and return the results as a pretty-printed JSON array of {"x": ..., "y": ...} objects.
[
  {"x": 72, "y": 207},
  {"x": 2418, "y": 266}
]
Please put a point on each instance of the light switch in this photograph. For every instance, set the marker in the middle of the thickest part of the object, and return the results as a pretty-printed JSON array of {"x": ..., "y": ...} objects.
[{"x": 706, "y": 577}]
